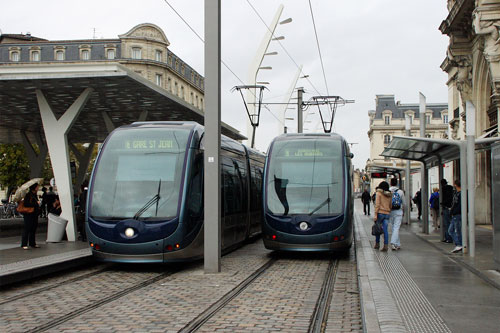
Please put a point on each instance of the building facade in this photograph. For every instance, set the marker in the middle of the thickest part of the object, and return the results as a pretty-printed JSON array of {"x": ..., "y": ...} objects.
[
  {"x": 473, "y": 67},
  {"x": 388, "y": 120},
  {"x": 143, "y": 49}
]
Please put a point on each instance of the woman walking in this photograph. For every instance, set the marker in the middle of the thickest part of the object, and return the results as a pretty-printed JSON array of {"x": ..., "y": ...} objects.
[
  {"x": 383, "y": 205},
  {"x": 30, "y": 219}
]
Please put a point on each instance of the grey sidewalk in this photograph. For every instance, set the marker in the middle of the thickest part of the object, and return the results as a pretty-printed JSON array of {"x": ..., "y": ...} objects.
[{"x": 423, "y": 287}]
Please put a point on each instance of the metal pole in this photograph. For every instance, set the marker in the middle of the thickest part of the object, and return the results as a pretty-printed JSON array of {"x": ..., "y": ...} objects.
[
  {"x": 424, "y": 193},
  {"x": 212, "y": 225},
  {"x": 441, "y": 208},
  {"x": 463, "y": 181},
  {"x": 300, "y": 122},
  {"x": 471, "y": 172},
  {"x": 407, "y": 176},
  {"x": 288, "y": 96}
]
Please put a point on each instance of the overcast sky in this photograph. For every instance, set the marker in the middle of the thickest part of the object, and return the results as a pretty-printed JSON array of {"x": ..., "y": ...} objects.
[{"x": 369, "y": 47}]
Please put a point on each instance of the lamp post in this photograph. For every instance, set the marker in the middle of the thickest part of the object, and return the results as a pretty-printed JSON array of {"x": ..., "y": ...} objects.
[{"x": 256, "y": 65}]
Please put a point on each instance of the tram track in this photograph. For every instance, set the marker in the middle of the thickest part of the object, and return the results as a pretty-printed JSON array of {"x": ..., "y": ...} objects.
[
  {"x": 62, "y": 319},
  {"x": 201, "y": 319},
  {"x": 319, "y": 317},
  {"x": 54, "y": 285}
]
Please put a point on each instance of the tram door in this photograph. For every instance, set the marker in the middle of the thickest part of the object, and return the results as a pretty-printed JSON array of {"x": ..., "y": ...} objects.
[{"x": 495, "y": 200}]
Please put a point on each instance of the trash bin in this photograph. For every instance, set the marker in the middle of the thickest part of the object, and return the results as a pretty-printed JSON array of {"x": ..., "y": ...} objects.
[{"x": 56, "y": 228}]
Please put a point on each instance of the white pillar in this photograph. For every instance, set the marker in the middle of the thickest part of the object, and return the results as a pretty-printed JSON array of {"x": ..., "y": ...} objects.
[
  {"x": 471, "y": 173},
  {"x": 424, "y": 193},
  {"x": 440, "y": 172},
  {"x": 463, "y": 183},
  {"x": 56, "y": 131},
  {"x": 407, "y": 177}
]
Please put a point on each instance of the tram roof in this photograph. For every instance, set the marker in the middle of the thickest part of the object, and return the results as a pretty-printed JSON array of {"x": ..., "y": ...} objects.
[
  {"x": 291, "y": 136},
  {"x": 120, "y": 93}
]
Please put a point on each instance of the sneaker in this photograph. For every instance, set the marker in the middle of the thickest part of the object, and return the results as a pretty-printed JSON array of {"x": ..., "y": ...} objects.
[
  {"x": 457, "y": 249},
  {"x": 25, "y": 247},
  {"x": 398, "y": 248},
  {"x": 393, "y": 247}
]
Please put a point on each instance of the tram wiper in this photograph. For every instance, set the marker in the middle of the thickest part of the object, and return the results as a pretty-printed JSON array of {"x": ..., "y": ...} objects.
[
  {"x": 320, "y": 206},
  {"x": 147, "y": 205}
]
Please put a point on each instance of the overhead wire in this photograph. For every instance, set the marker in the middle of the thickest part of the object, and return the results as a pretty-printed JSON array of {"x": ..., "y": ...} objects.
[
  {"x": 319, "y": 49},
  {"x": 222, "y": 61}
]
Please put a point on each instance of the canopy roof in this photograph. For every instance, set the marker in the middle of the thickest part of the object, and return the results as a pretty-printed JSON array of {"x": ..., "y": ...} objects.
[
  {"x": 120, "y": 93},
  {"x": 430, "y": 151}
]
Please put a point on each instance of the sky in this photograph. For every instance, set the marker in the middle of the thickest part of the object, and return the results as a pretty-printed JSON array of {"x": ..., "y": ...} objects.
[{"x": 368, "y": 47}]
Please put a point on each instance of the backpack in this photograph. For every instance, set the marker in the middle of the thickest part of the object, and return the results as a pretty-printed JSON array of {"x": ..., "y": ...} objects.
[{"x": 396, "y": 200}]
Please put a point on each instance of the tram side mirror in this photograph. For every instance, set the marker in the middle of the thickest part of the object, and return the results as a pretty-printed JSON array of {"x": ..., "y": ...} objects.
[{"x": 350, "y": 155}]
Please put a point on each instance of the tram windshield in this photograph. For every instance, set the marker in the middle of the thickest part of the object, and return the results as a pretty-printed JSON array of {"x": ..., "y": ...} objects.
[
  {"x": 305, "y": 177},
  {"x": 139, "y": 175}
]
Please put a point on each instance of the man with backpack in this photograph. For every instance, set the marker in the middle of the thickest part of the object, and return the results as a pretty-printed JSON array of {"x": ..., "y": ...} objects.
[{"x": 396, "y": 215}]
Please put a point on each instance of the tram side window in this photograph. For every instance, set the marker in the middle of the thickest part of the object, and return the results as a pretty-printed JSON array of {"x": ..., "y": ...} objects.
[
  {"x": 195, "y": 197},
  {"x": 256, "y": 189},
  {"x": 232, "y": 188}
]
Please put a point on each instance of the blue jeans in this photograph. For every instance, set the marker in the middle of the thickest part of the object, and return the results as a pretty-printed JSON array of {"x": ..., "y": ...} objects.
[
  {"x": 446, "y": 224},
  {"x": 384, "y": 219},
  {"x": 455, "y": 229},
  {"x": 395, "y": 220}
]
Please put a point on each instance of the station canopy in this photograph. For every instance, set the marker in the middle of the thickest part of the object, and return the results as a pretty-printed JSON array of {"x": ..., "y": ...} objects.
[
  {"x": 430, "y": 151},
  {"x": 122, "y": 94}
]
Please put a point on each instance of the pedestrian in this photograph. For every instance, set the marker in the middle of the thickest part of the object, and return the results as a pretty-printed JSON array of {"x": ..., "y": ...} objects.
[
  {"x": 383, "y": 203},
  {"x": 43, "y": 206},
  {"x": 366, "y": 200},
  {"x": 51, "y": 197},
  {"x": 56, "y": 207},
  {"x": 30, "y": 219},
  {"x": 455, "y": 229},
  {"x": 417, "y": 199},
  {"x": 447, "y": 191},
  {"x": 434, "y": 202},
  {"x": 396, "y": 215}
]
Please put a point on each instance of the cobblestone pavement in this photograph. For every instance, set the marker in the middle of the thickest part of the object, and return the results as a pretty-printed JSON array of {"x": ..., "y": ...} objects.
[{"x": 283, "y": 298}]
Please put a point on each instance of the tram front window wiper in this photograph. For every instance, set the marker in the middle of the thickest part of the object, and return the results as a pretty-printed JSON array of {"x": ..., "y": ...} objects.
[
  {"x": 147, "y": 205},
  {"x": 320, "y": 206}
]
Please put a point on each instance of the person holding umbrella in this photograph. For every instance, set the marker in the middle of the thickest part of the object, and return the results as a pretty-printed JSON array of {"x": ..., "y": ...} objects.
[{"x": 30, "y": 219}]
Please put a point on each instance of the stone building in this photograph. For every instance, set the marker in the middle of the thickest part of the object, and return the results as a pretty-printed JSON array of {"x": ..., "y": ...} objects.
[
  {"x": 388, "y": 120},
  {"x": 473, "y": 67},
  {"x": 143, "y": 49}
]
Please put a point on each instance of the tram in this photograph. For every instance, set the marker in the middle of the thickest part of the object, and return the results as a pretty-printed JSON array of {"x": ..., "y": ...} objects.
[
  {"x": 308, "y": 193},
  {"x": 145, "y": 200}
]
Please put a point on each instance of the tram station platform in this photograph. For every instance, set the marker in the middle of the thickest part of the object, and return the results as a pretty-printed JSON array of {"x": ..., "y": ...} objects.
[
  {"x": 17, "y": 264},
  {"x": 420, "y": 288}
]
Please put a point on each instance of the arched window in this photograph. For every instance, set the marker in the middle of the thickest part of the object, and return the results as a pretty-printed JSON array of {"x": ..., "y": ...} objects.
[
  {"x": 136, "y": 53},
  {"x": 35, "y": 56},
  {"x": 59, "y": 55},
  {"x": 15, "y": 56},
  {"x": 110, "y": 54},
  {"x": 85, "y": 55}
]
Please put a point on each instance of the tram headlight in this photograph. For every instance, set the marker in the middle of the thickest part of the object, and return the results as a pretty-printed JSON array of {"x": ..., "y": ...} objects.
[
  {"x": 129, "y": 232},
  {"x": 303, "y": 226}
]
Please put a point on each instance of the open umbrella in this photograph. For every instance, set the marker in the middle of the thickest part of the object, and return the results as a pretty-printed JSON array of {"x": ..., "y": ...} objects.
[{"x": 23, "y": 189}]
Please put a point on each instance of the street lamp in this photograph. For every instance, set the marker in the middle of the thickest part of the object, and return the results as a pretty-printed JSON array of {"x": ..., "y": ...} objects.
[{"x": 259, "y": 57}]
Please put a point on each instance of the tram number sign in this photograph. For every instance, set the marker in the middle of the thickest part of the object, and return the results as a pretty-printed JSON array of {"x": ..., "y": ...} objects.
[{"x": 379, "y": 174}]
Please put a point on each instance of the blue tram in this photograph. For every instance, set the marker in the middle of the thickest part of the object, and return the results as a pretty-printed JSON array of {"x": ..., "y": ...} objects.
[
  {"x": 145, "y": 201},
  {"x": 308, "y": 193}
]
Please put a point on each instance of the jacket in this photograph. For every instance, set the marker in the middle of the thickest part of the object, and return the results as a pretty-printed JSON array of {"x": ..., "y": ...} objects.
[
  {"x": 365, "y": 197},
  {"x": 383, "y": 202},
  {"x": 434, "y": 200},
  {"x": 456, "y": 206},
  {"x": 31, "y": 200}
]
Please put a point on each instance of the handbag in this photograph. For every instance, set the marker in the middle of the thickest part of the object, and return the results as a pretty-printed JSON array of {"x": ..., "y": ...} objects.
[
  {"x": 21, "y": 208},
  {"x": 377, "y": 229}
]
